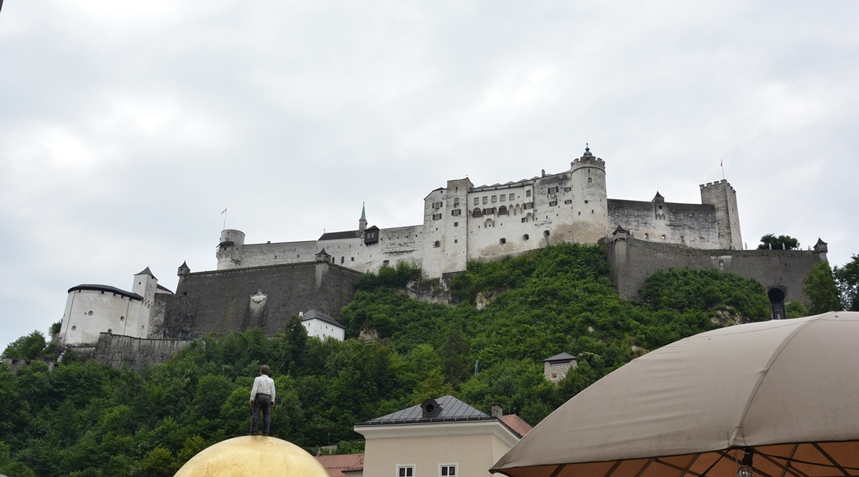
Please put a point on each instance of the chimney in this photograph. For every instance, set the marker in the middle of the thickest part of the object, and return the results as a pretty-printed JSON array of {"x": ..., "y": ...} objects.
[{"x": 497, "y": 411}]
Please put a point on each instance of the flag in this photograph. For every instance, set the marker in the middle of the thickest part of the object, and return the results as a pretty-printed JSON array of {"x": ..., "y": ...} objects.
[{"x": 224, "y": 211}]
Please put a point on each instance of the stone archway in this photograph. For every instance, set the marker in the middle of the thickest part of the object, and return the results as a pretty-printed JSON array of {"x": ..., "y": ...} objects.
[{"x": 776, "y": 296}]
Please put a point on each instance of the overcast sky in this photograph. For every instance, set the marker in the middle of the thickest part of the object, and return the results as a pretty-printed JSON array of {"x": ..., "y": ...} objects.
[{"x": 127, "y": 127}]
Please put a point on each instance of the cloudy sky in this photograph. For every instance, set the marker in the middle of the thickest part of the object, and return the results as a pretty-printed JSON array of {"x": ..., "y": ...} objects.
[{"x": 127, "y": 127}]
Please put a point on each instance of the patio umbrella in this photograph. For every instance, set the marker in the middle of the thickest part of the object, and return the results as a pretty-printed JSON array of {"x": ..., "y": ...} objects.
[{"x": 779, "y": 398}]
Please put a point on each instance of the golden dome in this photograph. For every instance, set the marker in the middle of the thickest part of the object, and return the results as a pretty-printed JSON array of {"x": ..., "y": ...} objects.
[{"x": 253, "y": 455}]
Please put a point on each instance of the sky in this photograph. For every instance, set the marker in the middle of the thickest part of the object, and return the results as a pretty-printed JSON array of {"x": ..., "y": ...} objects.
[{"x": 126, "y": 128}]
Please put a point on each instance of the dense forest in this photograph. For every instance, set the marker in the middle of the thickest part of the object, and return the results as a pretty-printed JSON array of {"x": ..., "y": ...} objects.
[{"x": 86, "y": 419}]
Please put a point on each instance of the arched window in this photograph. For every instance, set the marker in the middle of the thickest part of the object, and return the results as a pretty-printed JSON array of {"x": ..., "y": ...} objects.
[
  {"x": 477, "y": 213},
  {"x": 502, "y": 210}
]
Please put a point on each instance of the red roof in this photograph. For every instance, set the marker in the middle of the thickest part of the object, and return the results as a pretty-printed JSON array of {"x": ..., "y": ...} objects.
[
  {"x": 517, "y": 424},
  {"x": 337, "y": 464}
]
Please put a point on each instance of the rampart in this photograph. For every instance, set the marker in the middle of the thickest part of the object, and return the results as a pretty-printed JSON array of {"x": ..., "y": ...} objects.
[
  {"x": 262, "y": 297},
  {"x": 632, "y": 261},
  {"x": 136, "y": 353}
]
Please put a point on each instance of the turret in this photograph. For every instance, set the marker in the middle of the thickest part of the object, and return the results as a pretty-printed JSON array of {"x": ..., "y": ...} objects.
[
  {"x": 229, "y": 251},
  {"x": 362, "y": 222},
  {"x": 590, "y": 201},
  {"x": 145, "y": 285}
]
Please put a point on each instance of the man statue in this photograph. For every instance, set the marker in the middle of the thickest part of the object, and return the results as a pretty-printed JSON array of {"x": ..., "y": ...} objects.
[{"x": 262, "y": 398}]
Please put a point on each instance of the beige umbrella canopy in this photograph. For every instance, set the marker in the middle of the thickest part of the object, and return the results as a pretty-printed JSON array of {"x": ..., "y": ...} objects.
[{"x": 782, "y": 395}]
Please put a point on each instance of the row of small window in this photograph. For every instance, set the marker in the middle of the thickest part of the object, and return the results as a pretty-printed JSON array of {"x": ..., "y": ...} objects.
[
  {"x": 444, "y": 470},
  {"x": 504, "y": 197},
  {"x": 554, "y": 190}
]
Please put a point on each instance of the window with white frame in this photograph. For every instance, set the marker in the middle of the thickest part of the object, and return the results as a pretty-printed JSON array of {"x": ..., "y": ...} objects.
[
  {"x": 447, "y": 470},
  {"x": 405, "y": 471}
]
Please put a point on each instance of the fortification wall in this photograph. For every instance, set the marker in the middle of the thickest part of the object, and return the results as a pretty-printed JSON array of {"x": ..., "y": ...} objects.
[
  {"x": 264, "y": 297},
  {"x": 694, "y": 225},
  {"x": 632, "y": 261},
  {"x": 137, "y": 353},
  {"x": 265, "y": 254}
]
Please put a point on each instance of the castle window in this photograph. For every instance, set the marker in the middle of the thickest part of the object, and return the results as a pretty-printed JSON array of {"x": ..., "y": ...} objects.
[
  {"x": 436, "y": 216},
  {"x": 567, "y": 189},
  {"x": 502, "y": 241},
  {"x": 342, "y": 259},
  {"x": 503, "y": 197},
  {"x": 477, "y": 213},
  {"x": 568, "y": 201},
  {"x": 485, "y": 199},
  {"x": 456, "y": 212},
  {"x": 525, "y": 237},
  {"x": 502, "y": 210},
  {"x": 646, "y": 236},
  {"x": 455, "y": 240},
  {"x": 437, "y": 244},
  {"x": 586, "y": 201},
  {"x": 352, "y": 259},
  {"x": 553, "y": 190},
  {"x": 512, "y": 197},
  {"x": 527, "y": 193},
  {"x": 553, "y": 203},
  {"x": 590, "y": 179},
  {"x": 477, "y": 201},
  {"x": 524, "y": 219},
  {"x": 489, "y": 211},
  {"x": 456, "y": 224},
  {"x": 494, "y": 199},
  {"x": 546, "y": 233},
  {"x": 456, "y": 201},
  {"x": 436, "y": 205},
  {"x": 529, "y": 205}
]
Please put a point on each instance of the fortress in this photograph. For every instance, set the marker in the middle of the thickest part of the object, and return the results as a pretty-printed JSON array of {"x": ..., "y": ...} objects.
[
  {"x": 462, "y": 222},
  {"x": 262, "y": 285}
]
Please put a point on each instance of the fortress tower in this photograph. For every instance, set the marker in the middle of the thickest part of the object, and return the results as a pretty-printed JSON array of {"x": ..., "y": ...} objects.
[
  {"x": 722, "y": 196},
  {"x": 230, "y": 249},
  {"x": 590, "y": 202}
]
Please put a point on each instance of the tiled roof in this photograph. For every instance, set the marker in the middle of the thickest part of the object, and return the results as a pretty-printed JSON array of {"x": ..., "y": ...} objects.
[
  {"x": 146, "y": 271},
  {"x": 337, "y": 464},
  {"x": 516, "y": 423},
  {"x": 452, "y": 409},
  {"x": 318, "y": 315},
  {"x": 341, "y": 235},
  {"x": 561, "y": 357}
]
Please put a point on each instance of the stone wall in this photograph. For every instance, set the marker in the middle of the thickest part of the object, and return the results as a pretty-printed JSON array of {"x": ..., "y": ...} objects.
[
  {"x": 632, "y": 261},
  {"x": 263, "y": 297},
  {"x": 136, "y": 353}
]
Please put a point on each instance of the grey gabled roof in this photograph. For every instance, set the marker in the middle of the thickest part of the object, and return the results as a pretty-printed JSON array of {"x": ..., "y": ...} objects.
[
  {"x": 452, "y": 409},
  {"x": 318, "y": 315},
  {"x": 560, "y": 357},
  {"x": 107, "y": 289},
  {"x": 341, "y": 235}
]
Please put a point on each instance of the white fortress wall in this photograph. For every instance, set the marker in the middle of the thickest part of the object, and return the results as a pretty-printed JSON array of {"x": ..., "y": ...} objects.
[
  {"x": 92, "y": 311},
  {"x": 693, "y": 225},
  {"x": 502, "y": 220},
  {"x": 258, "y": 255}
]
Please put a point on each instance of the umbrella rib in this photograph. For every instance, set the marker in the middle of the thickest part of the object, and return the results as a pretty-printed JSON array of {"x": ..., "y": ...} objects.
[
  {"x": 558, "y": 470},
  {"x": 785, "y": 468},
  {"x": 756, "y": 470},
  {"x": 829, "y": 458},
  {"x": 644, "y": 467},
  {"x": 721, "y": 454},
  {"x": 613, "y": 468},
  {"x": 686, "y": 470},
  {"x": 677, "y": 467}
]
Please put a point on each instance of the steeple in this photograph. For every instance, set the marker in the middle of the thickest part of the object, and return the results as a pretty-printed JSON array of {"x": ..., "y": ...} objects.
[{"x": 362, "y": 222}]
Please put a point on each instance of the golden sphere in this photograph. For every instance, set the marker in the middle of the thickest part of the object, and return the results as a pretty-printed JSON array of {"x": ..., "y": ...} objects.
[{"x": 253, "y": 455}]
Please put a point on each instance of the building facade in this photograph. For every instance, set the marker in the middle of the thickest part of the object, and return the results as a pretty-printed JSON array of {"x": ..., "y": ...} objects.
[{"x": 464, "y": 222}]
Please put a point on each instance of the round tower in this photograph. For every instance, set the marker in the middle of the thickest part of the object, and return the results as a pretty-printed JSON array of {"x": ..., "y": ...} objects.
[
  {"x": 590, "y": 202},
  {"x": 229, "y": 251}
]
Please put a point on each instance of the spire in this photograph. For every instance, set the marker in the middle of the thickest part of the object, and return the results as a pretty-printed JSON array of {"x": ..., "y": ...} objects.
[
  {"x": 587, "y": 151},
  {"x": 362, "y": 222}
]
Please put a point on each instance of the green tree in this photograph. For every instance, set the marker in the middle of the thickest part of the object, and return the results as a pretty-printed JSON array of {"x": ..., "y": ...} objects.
[
  {"x": 847, "y": 280},
  {"x": 26, "y": 347},
  {"x": 782, "y": 242},
  {"x": 819, "y": 286}
]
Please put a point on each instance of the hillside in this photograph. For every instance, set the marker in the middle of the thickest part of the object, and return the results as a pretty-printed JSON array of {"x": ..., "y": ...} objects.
[{"x": 84, "y": 418}]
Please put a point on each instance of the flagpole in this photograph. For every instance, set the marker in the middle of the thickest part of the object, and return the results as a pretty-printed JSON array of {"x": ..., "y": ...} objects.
[
  {"x": 722, "y": 165},
  {"x": 224, "y": 213}
]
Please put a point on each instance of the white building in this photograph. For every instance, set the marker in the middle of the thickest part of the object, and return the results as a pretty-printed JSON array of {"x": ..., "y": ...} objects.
[
  {"x": 94, "y": 309},
  {"x": 464, "y": 222},
  {"x": 322, "y": 326}
]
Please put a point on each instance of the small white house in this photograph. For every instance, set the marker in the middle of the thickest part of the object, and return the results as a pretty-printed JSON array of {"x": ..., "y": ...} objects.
[{"x": 322, "y": 326}]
